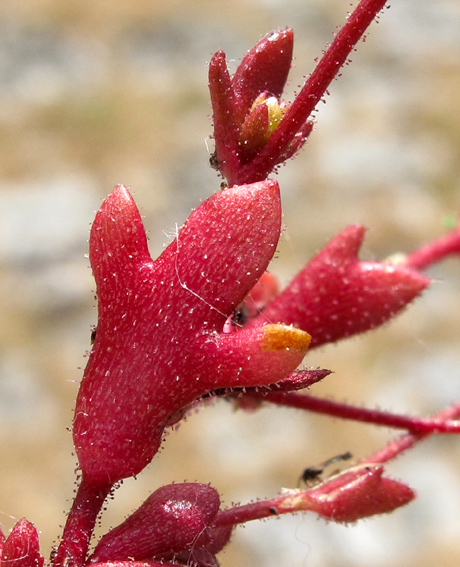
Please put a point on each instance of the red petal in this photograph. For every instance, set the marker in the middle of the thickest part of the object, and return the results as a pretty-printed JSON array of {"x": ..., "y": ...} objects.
[
  {"x": 117, "y": 244},
  {"x": 253, "y": 357},
  {"x": 261, "y": 294},
  {"x": 224, "y": 248}
]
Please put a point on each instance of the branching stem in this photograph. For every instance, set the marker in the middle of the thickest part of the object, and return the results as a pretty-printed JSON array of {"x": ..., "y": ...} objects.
[
  {"x": 435, "y": 251},
  {"x": 416, "y": 425},
  {"x": 395, "y": 448}
]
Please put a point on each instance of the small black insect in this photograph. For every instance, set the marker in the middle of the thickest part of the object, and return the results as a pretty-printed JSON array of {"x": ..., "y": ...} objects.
[
  {"x": 93, "y": 335},
  {"x": 237, "y": 319},
  {"x": 311, "y": 475},
  {"x": 213, "y": 161},
  {"x": 240, "y": 316}
]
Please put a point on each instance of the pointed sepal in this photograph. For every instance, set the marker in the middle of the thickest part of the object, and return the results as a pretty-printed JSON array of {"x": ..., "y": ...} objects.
[{"x": 265, "y": 68}]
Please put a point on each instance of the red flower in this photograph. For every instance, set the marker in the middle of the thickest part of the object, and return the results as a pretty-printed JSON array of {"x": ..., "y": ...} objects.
[{"x": 160, "y": 343}]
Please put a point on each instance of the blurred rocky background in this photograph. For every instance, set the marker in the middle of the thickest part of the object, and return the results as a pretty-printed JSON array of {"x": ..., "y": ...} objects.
[{"x": 97, "y": 93}]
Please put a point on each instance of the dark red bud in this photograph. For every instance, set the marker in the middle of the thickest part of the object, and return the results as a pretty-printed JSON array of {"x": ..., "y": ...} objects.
[
  {"x": 21, "y": 548},
  {"x": 254, "y": 131},
  {"x": 336, "y": 295},
  {"x": 174, "y": 519},
  {"x": 359, "y": 493}
]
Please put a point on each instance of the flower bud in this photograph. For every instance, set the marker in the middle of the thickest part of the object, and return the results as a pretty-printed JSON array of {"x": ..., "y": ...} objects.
[
  {"x": 21, "y": 548},
  {"x": 358, "y": 493},
  {"x": 336, "y": 295},
  {"x": 174, "y": 519}
]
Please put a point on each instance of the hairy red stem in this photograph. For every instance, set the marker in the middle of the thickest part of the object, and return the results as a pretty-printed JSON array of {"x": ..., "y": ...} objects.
[
  {"x": 435, "y": 251},
  {"x": 247, "y": 512},
  {"x": 415, "y": 425},
  {"x": 395, "y": 448},
  {"x": 314, "y": 88},
  {"x": 79, "y": 527}
]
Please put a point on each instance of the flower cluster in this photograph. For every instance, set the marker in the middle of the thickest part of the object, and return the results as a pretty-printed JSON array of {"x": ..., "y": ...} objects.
[{"x": 206, "y": 319}]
